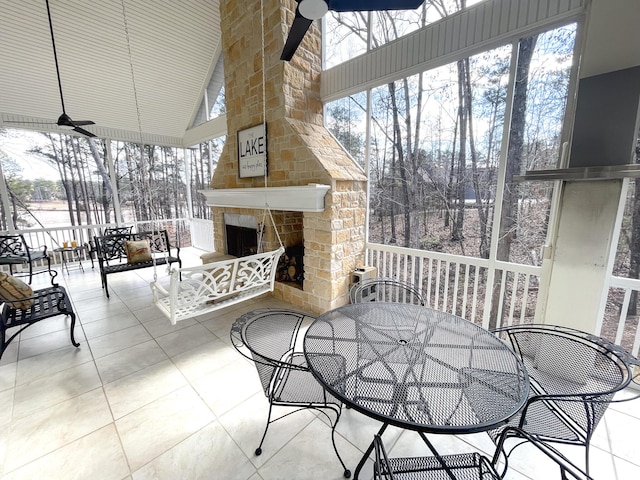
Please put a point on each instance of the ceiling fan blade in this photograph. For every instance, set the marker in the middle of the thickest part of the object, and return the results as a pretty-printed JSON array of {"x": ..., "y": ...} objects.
[
  {"x": 296, "y": 34},
  {"x": 18, "y": 122},
  {"x": 372, "y": 5},
  {"x": 83, "y": 122},
  {"x": 83, "y": 132},
  {"x": 317, "y": 8}
]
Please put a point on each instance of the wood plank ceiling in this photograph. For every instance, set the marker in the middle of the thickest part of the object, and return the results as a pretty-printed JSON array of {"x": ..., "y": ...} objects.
[{"x": 174, "y": 47}]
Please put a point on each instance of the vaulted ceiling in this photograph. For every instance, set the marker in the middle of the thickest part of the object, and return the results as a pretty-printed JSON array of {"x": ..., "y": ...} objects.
[{"x": 170, "y": 48}]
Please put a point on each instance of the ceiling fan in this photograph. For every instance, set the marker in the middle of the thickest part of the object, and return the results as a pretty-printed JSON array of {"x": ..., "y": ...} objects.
[
  {"x": 309, "y": 10},
  {"x": 64, "y": 120}
]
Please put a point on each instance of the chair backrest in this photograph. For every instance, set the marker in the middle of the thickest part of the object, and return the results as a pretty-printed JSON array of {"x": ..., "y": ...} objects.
[
  {"x": 158, "y": 240},
  {"x": 386, "y": 290},
  {"x": 269, "y": 336},
  {"x": 581, "y": 370},
  {"x": 110, "y": 247},
  {"x": 13, "y": 246},
  {"x": 117, "y": 230}
]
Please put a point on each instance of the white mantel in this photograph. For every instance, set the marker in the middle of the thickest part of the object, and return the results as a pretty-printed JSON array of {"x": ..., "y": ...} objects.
[{"x": 306, "y": 198}]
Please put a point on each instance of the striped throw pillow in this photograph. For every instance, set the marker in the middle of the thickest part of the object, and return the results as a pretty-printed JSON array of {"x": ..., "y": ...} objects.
[{"x": 14, "y": 291}]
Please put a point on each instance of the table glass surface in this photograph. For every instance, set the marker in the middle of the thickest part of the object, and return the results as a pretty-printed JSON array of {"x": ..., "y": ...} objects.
[{"x": 415, "y": 367}]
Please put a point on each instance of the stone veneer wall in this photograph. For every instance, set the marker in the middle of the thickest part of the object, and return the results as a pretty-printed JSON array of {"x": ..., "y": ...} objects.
[{"x": 300, "y": 149}]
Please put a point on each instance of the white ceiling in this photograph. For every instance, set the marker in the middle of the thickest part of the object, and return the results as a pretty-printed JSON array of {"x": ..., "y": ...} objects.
[{"x": 174, "y": 47}]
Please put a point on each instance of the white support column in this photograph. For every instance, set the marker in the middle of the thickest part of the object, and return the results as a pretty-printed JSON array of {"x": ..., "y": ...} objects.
[
  {"x": 582, "y": 253},
  {"x": 187, "y": 154},
  {"x": 367, "y": 168},
  {"x": 114, "y": 183},
  {"x": 590, "y": 212},
  {"x": 4, "y": 195}
]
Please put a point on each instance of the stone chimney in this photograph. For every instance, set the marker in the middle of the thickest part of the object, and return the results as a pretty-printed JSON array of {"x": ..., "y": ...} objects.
[{"x": 300, "y": 150}]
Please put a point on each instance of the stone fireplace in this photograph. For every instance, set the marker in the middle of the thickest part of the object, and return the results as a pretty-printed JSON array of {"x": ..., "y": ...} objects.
[{"x": 301, "y": 153}]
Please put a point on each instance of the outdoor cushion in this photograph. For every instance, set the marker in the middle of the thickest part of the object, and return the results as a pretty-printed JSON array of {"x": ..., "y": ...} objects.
[
  {"x": 12, "y": 289},
  {"x": 138, "y": 251}
]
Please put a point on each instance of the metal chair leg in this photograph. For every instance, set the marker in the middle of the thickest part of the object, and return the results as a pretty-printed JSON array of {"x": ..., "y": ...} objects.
[{"x": 264, "y": 435}]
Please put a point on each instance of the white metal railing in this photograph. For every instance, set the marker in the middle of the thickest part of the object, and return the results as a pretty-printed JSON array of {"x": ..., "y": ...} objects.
[
  {"x": 496, "y": 293},
  {"x": 621, "y": 291},
  {"x": 459, "y": 284},
  {"x": 54, "y": 238},
  {"x": 202, "y": 234}
]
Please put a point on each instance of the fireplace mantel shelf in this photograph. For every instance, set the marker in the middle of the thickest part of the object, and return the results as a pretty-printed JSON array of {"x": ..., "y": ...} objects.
[{"x": 305, "y": 198}]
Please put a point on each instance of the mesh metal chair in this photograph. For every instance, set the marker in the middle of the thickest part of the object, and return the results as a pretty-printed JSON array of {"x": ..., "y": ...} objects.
[
  {"x": 464, "y": 466},
  {"x": 268, "y": 337},
  {"x": 573, "y": 379},
  {"x": 385, "y": 290}
]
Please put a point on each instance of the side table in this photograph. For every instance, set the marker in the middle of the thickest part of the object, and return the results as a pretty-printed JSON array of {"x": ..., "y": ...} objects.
[{"x": 75, "y": 256}]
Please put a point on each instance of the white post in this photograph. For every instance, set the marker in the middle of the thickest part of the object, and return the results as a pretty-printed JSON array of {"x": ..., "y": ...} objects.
[
  {"x": 114, "y": 183},
  {"x": 187, "y": 174},
  {"x": 4, "y": 194}
]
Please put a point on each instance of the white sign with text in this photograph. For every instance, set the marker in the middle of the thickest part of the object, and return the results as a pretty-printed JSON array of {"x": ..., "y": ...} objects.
[{"x": 252, "y": 151}]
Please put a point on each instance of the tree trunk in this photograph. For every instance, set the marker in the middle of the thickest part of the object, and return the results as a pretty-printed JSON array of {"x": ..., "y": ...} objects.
[
  {"x": 475, "y": 175},
  {"x": 509, "y": 217},
  {"x": 458, "y": 226},
  {"x": 401, "y": 164}
]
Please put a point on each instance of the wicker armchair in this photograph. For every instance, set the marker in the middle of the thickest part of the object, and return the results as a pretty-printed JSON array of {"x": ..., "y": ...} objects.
[{"x": 268, "y": 337}]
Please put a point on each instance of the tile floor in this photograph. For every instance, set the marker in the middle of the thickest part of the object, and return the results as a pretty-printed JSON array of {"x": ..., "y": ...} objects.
[{"x": 141, "y": 399}]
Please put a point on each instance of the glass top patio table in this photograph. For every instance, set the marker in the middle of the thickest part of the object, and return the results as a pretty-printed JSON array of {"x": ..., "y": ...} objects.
[{"x": 416, "y": 368}]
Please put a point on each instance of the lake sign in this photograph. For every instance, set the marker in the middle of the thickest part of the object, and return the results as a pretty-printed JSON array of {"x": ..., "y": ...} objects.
[{"x": 252, "y": 151}]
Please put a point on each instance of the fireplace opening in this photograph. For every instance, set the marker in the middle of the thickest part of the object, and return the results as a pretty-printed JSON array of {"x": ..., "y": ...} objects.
[
  {"x": 241, "y": 241},
  {"x": 291, "y": 265}
]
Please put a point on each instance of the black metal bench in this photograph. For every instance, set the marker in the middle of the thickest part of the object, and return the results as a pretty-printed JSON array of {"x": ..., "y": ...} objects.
[
  {"x": 47, "y": 303},
  {"x": 112, "y": 254}
]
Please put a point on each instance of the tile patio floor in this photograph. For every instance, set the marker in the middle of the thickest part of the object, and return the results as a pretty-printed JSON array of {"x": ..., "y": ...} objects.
[{"x": 141, "y": 399}]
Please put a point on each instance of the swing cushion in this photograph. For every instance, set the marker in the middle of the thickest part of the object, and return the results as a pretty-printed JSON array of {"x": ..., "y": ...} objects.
[
  {"x": 138, "y": 251},
  {"x": 14, "y": 291}
]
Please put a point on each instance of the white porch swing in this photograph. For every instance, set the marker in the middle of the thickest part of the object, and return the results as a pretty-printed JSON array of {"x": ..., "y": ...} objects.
[
  {"x": 209, "y": 287},
  {"x": 203, "y": 289}
]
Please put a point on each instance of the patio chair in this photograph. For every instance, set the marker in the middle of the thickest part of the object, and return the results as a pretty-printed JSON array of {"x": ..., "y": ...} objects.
[
  {"x": 107, "y": 231},
  {"x": 463, "y": 466},
  {"x": 15, "y": 251},
  {"x": 268, "y": 337},
  {"x": 574, "y": 377},
  {"x": 385, "y": 290}
]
